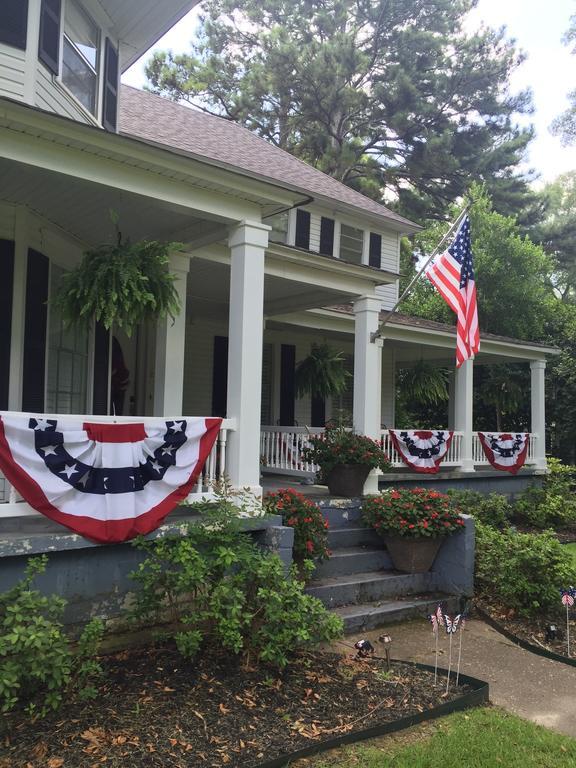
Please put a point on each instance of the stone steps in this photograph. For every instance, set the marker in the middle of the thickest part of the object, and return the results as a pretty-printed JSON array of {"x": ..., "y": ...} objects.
[
  {"x": 366, "y": 587},
  {"x": 376, "y": 614},
  {"x": 353, "y": 560},
  {"x": 340, "y": 538}
]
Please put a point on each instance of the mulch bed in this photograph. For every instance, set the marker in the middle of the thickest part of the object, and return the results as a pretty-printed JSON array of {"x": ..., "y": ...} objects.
[
  {"x": 532, "y": 631},
  {"x": 154, "y": 709},
  {"x": 565, "y": 535}
]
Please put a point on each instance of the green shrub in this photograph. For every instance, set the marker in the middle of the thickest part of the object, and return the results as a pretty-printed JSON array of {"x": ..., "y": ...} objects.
[
  {"x": 215, "y": 586},
  {"x": 551, "y": 505},
  {"x": 524, "y": 571},
  {"x": 36, "y": 663},
  {"x": 494, "y": 510}
]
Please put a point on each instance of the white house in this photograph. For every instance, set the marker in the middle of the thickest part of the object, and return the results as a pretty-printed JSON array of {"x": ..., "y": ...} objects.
[{"x": 276, "y": 254}]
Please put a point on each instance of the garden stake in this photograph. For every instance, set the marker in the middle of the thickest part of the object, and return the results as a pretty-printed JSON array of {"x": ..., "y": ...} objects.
[
  {"x": 568, "y": 601},
  {"x": 451, "y": 626},
  {"x": 462, "y": 623},
  {"x": 434, "y": 621}
]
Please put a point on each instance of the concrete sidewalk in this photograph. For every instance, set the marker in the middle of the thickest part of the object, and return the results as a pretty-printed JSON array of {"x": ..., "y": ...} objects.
[{"x": 532, "y": 687}]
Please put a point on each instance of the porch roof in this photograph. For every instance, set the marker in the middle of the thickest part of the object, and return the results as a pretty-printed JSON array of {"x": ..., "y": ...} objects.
[{"x": 160, "y": 122}]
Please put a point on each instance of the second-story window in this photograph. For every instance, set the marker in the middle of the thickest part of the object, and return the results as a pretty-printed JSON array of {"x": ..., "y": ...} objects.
[
  {"x": 351, "y": 244},
  {"x": 80, "y": 56}
]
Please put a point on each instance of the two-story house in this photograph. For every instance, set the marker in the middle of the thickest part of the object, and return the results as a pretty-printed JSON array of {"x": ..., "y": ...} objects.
[{"x": 276, "y": 254}]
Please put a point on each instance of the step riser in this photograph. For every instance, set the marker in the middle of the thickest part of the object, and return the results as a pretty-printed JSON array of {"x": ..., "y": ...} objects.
[
  {"x": 353, "y": 537},
  {"x": 340, "y": 563},
  {"x": 342, "y": 518},
  {"x": 351, "y": 593},
  {"x": 375, "y": 619}
]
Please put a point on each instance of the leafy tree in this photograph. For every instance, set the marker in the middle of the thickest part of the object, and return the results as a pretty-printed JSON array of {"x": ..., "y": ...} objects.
[
  {"x": 392, "y": 97},
  {"x": 565, "y": 125}
]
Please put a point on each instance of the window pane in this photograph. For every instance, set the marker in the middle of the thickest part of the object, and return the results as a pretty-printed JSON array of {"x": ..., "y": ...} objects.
[
  {"x": 81, "y": 30},
  {"x": 351, "y": 244},
  {"x": 279, "y": 224},
  {"x": 78, "y": 77}
]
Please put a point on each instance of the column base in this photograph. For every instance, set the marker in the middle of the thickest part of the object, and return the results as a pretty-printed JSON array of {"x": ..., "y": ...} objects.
[
  {"x": 467, "y": 466},
  {"x": 371, "y": 484}
]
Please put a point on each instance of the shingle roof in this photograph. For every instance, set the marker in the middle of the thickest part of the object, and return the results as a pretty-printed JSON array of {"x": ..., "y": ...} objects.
[{"x": 157, "y": 120}]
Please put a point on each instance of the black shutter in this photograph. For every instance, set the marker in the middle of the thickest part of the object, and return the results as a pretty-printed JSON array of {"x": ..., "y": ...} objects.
[
  {"x": 327, "y": 236},
  {"x": 35, "y": 328},
  {"x": 14, "y": 22},
  {"x": 287, "y": 384},
  {"x": 101, "y": 370},
  {"x": 6, "y": 288},
  {"x": 302, "y": 229},
  {"x": 110, "y": 106},
  {"x": 318, "y": 415},
  {"x": 375, "y": 252},
  {"x": 49, "y": 43},
  {"x": 220, "y": 376}
]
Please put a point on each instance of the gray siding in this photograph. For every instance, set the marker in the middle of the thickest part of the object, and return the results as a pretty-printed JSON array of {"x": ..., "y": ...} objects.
[
  {"x": 12, "y": 68},
  {"x": 51, "y": 96}
]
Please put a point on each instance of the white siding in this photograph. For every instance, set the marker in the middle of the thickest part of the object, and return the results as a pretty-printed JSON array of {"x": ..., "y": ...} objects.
[
  {"x": 12, "y": 69},
  {"x": 198, "y": 364},
  {"x": 51, "y": 96},
  {"x": 390, "y": 262},
  {"x": 315, "y": 220}
]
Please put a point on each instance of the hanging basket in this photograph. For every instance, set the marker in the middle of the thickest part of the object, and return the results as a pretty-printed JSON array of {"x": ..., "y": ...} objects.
[
  {"x": 412, "y": 555},
  {"x": 347, "y": 480}
]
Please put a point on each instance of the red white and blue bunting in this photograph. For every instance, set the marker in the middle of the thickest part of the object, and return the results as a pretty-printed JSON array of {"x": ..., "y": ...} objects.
[
  {"x": 505, "y": 451},
  {"x": 422, "y": 450},
  {"x": 107, "y": 482}
]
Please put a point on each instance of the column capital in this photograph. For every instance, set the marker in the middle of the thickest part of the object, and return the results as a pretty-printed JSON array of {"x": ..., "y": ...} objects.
[
  {"x": 367, "y": 304},
  {"x": 249, "y": 232},
  {"x": 537, "y": 365},
  {"x": 179, "y": 262}
]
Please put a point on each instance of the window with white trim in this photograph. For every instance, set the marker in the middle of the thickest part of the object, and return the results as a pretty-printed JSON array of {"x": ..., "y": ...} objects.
[
  {"x": 351, "y": 244},
  {"x": 81, "y": 56}
]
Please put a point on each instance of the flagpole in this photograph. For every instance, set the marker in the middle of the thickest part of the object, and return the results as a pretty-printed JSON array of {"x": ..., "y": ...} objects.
[{"x": 377, "y": 334}]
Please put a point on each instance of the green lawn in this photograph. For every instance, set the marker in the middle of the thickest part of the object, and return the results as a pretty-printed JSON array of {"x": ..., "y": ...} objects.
[
  {"x": 480, "y": 738},
  {"x": 572, "y": 549}
]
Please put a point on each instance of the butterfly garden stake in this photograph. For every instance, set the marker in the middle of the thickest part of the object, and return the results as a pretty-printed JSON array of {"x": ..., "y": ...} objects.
[
  {"x": 451, "y": 626},
  {"x": 462, "y": 625},
  {"x": 434, "y": 621},
  {"x": 567, "y": 596}
]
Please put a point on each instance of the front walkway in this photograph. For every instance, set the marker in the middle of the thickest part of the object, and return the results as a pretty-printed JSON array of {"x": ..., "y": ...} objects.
[{"x": 528, "y": 685}]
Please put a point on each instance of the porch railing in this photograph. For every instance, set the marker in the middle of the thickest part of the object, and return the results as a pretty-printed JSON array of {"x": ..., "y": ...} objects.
[
  {"x": 281, "y": 450},
  {"x": 12, "y": 504}
]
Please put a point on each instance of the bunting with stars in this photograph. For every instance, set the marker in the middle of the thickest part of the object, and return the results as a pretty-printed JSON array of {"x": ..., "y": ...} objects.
[{"x": 108, "y": 482}]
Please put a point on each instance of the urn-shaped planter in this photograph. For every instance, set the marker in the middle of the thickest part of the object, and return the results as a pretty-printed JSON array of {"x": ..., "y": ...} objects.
[
  {"x": 412, "y": 555},
  {"x": 347, "y": 479}
]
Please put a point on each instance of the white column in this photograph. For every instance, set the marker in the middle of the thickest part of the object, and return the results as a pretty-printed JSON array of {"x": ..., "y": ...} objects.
[
  {"x": 246, "y": 330},
  {"x": 367, "y": 375},
  {"x": 451, "y": 396},
  {"x": 538, "y": 403},
  {"x": 170, "y": 348},
  {"x": 463, "y": 411},
  {"x": 21, "y": 235}
]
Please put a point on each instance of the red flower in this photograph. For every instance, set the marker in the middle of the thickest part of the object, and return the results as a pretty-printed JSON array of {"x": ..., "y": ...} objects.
[{"x": 309, "y": 546}]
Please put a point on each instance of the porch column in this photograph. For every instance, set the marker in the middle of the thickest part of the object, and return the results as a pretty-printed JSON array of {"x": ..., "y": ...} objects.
[
  {"x": 463, "y": 399},
  {"x": 246, "y": 330},
  {"x": 18, "y": 310},
  {"x": 538, "y": 420},
  {"x": 367, "y": 375},
  {"x": 170, "y": 348}
]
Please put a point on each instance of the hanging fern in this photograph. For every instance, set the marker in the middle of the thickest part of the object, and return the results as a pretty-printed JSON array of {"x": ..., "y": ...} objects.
[
  {"x": 120, "y": 285},
  {"x": 425, "y": 383},
  {"x": 322, "y": 373}
]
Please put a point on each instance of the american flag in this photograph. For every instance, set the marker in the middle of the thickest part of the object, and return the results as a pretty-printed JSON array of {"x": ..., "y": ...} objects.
[{"x": 452, "y": 274}]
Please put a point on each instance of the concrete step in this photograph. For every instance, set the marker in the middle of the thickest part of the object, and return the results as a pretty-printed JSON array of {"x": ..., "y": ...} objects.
[
  {"x": 341, "y": 538},
  {"x": 354, "y": 560},
  {"x": 345, "y": 515},
  {"x": 367, "y": 587},
  {"x": 358, "y": 618}
]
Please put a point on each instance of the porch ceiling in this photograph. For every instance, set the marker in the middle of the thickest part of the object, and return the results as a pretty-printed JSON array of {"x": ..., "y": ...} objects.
[
  {"x": 82, "y": 208},
  {"x": 208, "y": 292}
]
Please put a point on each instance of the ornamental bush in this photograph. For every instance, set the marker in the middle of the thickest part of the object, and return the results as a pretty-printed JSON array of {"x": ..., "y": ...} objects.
[
  {"x": 338, "y": 445},
  {"x": 310, "y": 527},
  {"x": 554, "y": 503},
  {"x": 36, "y": 663},
  {"x": 494, "y": 510},
  {"x": 412, "y": 512},
  {"x": 522, "y": 571},
  {"x": 213, "y": 587}
]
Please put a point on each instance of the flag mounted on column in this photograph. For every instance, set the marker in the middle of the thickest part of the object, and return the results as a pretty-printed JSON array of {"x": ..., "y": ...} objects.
[{"x": 452, "y": 274}]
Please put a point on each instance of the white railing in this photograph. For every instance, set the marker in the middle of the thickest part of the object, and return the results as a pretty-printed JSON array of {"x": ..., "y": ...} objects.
[
  {"x": 480, "y": 459},
  {"x": 281, "y": 450},
  {"x": 12, "y": 504},
  {"x": 453, "y": 457}
]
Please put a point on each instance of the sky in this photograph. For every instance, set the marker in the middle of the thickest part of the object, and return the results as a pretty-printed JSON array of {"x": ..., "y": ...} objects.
[{"x": 549, "y": 71}]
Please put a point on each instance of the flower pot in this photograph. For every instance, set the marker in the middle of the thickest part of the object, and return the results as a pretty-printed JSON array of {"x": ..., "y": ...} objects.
[
  {"x": 347, "y": 479},
  {"x": 412, "y": 555}
]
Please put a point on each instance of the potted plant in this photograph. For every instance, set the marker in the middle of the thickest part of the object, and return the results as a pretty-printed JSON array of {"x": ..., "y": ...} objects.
[
  {"x": 321, "y": 374},
  {"x": 310, "y": 527},
  {"x": 345, "y": 458},
  {"x": 413, "y": 522}
]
